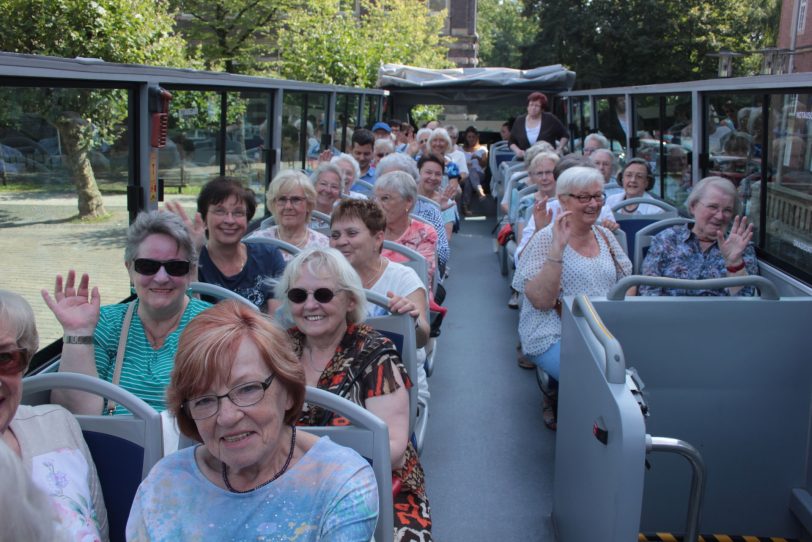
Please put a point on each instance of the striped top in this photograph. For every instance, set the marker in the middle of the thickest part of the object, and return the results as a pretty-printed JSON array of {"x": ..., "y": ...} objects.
[{"x": 146, "y": 371}]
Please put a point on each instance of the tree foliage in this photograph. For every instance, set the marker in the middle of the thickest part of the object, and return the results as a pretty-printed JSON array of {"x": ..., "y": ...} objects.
[
  {"x": 503, "y": 32},
  {"x": 322, "y": 44},
  {"x": 124, "y": 31},
  {"x": 234, "y": 35},
  {"x": 623, "y": 42}
]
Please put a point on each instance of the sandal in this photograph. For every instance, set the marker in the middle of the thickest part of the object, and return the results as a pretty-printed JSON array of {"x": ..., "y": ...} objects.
[{"x": 548, "y": 411}]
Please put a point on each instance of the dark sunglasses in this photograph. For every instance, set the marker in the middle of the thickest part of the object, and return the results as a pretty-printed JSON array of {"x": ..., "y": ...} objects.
[
  {"x": 13, "y": 362},
  {"x": 175, "y": 268},
  {"x": 321, "y": 295}
]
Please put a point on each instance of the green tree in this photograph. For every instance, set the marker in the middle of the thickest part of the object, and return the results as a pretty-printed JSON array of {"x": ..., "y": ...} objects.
[
  {"x": 624, "y": 42},
  {"x": 322, "y": 44},
  {"x": 234, "y": 35},
  {"x": 125, "y": 31},
  {"x": 504, "y": 31}
]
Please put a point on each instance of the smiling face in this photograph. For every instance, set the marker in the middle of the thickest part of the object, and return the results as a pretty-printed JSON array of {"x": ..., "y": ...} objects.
[
  {"x": 430, "y": 179},
  {"x": 395, "y": 207},
  {"x": 291, "y": 208},
  {"x": 11, "y": 386},
  {"x": 713, "y": 213},
  {"x": 584, "y": 215},
  {"x": 328, "y": 190},
  {"x": 543, "y": 174},
  {"x": 247, "y": 437},
  {"x": 226, "y": 221},
  {"x": 161, "y": 292},
  {"x": 635, "y": 180},
  {"x": 320, "y": 320},
  {"x": 362, "y": 154},
  {"x": 354, "y": 240},
  {"x": 438, "y": 146}
]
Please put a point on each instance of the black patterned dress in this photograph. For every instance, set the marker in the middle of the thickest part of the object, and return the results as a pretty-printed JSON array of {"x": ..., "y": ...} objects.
[{"x": 363, "y": 350}]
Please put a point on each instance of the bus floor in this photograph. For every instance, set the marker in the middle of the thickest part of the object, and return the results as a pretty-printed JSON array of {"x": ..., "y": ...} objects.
[{"x": 487, "y": 456}]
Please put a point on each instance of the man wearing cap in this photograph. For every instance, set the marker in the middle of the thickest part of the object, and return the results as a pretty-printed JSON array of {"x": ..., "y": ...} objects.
[{"x": 382, "y": 130}]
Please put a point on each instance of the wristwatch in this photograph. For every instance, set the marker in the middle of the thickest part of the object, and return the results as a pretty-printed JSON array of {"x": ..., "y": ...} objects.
[{"x": 77, "y": 339}]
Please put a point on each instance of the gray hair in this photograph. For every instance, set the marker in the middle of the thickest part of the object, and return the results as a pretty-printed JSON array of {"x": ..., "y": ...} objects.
[
  {"x": 535, "y": 148},
  {"x": 26, "y": 513},
  {"x": 422, "y": 131},
  {"x": 385, "y": 143},
  {"x": 544, "y": 155},
  {"x": 453, "y": 133},
  {"x": 16, "y": 314},
  {"x": 158, "y": 222},
  {"x": 326, "y": 167},
  {"x": 724, "y": 185},
  {"x": 578, "y": 178},
  {"x": 397, "y": 162},
  {"x": 400, "y": 182},
  {"x": 596, "y": 152},
  {"x": 323, "y": 262},
  {"x": 440, "y": 133},
  {"x": 603, "y": 143},
  {"x": 344, "y": 157},
  {"x": 288, "y": 179}
]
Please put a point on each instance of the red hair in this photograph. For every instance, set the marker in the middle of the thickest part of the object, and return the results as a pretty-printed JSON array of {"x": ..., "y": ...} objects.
[{"x": 538, "y": 97}]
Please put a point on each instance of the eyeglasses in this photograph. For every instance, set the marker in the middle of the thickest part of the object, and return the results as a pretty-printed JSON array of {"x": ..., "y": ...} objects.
[
  {"x": 293, "y": 200},
  {"x": 321, "y": 295},
  {"x": 244, "y": 395},
  {"x": 632, "y": 175},
  {"x": 175, "y": 268},
  {"x": 219, "y": 212},
  {"x": 714, "y": 208},
  {"x": 13, "y": 361},
  {"x": 585, "y": 198}
]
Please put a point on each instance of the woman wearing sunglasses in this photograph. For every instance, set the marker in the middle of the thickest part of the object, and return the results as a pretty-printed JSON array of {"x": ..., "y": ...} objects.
[
  {"x": 325, "y": 300},
  {"x": 570, "y": 256},
  {"x": 46, "y": 438},
  {"x": 291, "y": 199},
  {"x": 159, "y": 256},
  {"x": 237, "y": 389}
]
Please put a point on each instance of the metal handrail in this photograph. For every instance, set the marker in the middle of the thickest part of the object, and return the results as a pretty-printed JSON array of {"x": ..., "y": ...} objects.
[
  {"x": 647, "y": 201},
  {"x": 218, "y": 292},
  {"x": 766, "y": 288},
  {"x": 698, "y": 475},
  {"x": 615, "y": 361}
]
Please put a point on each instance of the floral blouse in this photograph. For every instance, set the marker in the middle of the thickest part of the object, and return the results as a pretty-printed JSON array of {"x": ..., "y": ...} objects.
[{"x": 421, "y": 238}]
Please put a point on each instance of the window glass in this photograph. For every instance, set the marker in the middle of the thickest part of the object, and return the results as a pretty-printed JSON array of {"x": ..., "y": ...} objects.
[
  {"x": 580, "y": 110},
  {"x": 347, "y": 114},
  {"x": 54, "y": 142},
  {"x": 316, "y": 118},
  {"x": 676, "y": 179},
  {"x": 612, "y": 123},
  {"x": 370, "y": 110},
  {"x": 292, "y": 112}
]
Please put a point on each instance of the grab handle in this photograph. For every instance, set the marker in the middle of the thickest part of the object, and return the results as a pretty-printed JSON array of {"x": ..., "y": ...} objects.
[
  {"x": 698, "y": 473},
  {"x": 766, "y": 288},
  {"x": 615, "y": 362}
]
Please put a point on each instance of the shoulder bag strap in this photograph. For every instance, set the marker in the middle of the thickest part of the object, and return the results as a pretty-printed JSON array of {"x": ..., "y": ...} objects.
[
  {"x": 618, "y": 268},
  {"x": 122, "y": 346}
]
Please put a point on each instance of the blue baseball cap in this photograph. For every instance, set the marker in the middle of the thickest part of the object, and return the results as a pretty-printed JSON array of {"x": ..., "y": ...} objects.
[{"x": 382, "y": 126}]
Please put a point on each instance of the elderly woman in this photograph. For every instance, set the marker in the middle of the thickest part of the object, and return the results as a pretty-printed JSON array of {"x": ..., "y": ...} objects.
[
  {"x": 238, "y": 389},
  {"x": 325, "y": 299},
  {"x": 328, "y": 181},
  {"x": 46, "y": 438},
  {"x": 441, "y": 146},
  {"x": 571, "y": 256},
  {"x": 593, "y": 142},
  {"x": 604, "y": 160},
  {"x": 350, "y": 172},
  {"x": 708, "y": 249},
  {"x": 382, "y": 148},
  {"x": 396, "y": 192},
  {"x": 542, "y": 174},
  {"x": 431, "y": 170},
  {"x": 224, "y": 209},
  {"x": 537, "y": 126},
  {"x": 291, "y": 198},
  {"x": 132, "y": 344},
  {"x": 420, "y": 145},
  {"x": 636, "y": 178},
  {"x": 476, "y": 157}
]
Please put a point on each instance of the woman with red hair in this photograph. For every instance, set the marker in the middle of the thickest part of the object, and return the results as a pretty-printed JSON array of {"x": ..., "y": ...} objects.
[{"x": 537, "y": 126}]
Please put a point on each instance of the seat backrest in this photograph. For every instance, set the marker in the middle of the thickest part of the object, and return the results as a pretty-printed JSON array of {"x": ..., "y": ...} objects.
[
  {"x": 218, "y": 293},
  {"x": 369, "y": 436},
  {"x": 631, "y": 224},
  {"x": 267, "y": 223},
  {"x": 367, "y": 186},
  {"x": 428, "y": 200},
  {"x": 320, "y": 222},
  {"x": 415, "y": 260},
  {"x": 124, "y": 448},
  {"x": 620, "y": 235},
  {"x": 278, "y": 243},
  {"x": 643, "y": 238}
]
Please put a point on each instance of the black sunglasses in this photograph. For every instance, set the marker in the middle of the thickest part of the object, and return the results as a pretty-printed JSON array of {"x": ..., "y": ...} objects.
[
  {"x": 321, "y": 295},
  {"x": 13, "y": 362},
  {"x": 175, "y": 268}
]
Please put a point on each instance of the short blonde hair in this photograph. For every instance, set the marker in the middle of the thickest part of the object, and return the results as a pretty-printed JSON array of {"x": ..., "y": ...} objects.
[{"x": 287, "y": 180}]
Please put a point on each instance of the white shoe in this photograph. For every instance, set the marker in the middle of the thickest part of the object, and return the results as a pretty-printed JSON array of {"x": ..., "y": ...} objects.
[{"x": 513, "y": 302}]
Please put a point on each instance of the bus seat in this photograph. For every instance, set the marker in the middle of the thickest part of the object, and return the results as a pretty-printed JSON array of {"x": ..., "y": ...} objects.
[
  {"x": 278, "y": 243},
  {"x": 643, "y": 238},
  {"x": 631, "y": 224},
  {"x": 124, "y": 448},
  {"x": 218, "y": 293}
]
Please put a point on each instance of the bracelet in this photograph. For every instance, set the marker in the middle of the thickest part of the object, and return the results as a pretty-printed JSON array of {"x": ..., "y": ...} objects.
[
  {"x": 735, "y": 268},
  {"x": 553, "y": 260},
  {"x": 77, "y": 339}
]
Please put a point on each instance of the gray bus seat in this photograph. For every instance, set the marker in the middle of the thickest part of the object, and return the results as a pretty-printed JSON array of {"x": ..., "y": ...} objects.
[
  {"x": 218, "y": 293},
  {"x": 642, "y": 239},
  {"x": 124, "y": 448},
  {"x": 278, "y": 243},
  {"x": 631, "y": 224}
]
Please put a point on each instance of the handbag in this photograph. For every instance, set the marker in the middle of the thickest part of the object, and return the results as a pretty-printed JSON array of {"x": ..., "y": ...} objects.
[
  {"x": 505, "y": 235},
  {"x": 619, "y": 273}
]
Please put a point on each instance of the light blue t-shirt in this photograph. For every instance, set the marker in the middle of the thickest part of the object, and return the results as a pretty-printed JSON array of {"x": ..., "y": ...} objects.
[{"x": 329, "y": 495}]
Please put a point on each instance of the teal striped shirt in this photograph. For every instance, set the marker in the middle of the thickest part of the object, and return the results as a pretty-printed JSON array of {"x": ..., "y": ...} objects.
[{"x": 146, "y": 371}]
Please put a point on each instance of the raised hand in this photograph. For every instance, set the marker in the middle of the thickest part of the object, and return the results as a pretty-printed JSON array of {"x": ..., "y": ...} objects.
[
  {"x": 562, "y": 229},
  {"x": 732, "y": 248},
  {"x": 325, "y": 156},
  {"x": 75, "y": 307},
  {"x": 196, "y": 227},
  {"x": 610, "y": 224},
  {"x": 542, "y": 216},
  {"x": 402, "y": 305}
]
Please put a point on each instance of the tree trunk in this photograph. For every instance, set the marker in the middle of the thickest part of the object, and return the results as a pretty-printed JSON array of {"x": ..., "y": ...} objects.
[{"x": 71, "y": 126}]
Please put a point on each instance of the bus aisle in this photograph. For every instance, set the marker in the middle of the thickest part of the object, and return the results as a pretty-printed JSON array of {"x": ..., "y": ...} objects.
[{"x": 487, "y": 455}]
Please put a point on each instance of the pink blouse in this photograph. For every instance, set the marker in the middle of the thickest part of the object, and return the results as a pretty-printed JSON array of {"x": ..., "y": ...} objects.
[{"x": 421, "y": 238}]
